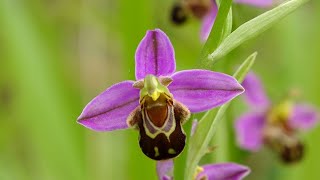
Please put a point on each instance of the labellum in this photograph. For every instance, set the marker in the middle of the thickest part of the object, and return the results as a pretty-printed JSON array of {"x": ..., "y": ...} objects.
[
  {"x": 285, "y": 143},
  {"x": 159, "y": 119},
  {"x": 280, "y": 136}
]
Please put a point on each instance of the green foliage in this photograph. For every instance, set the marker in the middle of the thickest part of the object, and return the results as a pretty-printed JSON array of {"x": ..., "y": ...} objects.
[
  {"x": 208, "y": 124},
  {"x": 254, "y": 27}
]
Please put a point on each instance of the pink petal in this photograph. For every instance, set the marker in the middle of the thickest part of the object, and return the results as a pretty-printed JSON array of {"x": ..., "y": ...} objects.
[
  {"x": 207, "y": 22},
  {"x": 201, "y": 90},
  {"x": 249, "y": 130},
  {"x": 163, "y": 167},
  {"x": 155, "y": 55},
  {"x": 109, "y": 110},
  {"x": 304, "y": 116},
  {"x": 224, "y": 171},
  {"x": 254, "y": 92}
]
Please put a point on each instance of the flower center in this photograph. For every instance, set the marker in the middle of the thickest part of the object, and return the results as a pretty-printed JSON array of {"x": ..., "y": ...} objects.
[
  {"x": 280, "y": 113},
  {"x": 152, "y": 87},
  {"x": 159, "y": 119}
]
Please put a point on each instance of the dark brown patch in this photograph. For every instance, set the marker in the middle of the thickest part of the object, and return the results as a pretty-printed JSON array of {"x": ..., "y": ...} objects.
[
  {"x": 199, "y": 10},
  {"x": 160, "y": 147},
  {"x": 284, "y": 143},
  {"x": 293, "y": 153},
  {"x": 176, "y": 142},
  {"x": 178, "y": 14}
]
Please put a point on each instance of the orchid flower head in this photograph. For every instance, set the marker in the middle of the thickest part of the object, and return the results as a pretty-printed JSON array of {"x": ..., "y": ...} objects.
[
  {"x": 160, "y": 100},
  {"x": 275, "y": 125}
]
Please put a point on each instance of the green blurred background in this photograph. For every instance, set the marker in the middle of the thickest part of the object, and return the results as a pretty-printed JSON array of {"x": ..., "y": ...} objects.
[{"x": 56, "y": 55}]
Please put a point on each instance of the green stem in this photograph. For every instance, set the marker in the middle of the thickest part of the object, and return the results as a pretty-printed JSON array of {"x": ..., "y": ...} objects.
[
  {"x": 217, "y": 32},
  {"x": 180, "y": 162}
]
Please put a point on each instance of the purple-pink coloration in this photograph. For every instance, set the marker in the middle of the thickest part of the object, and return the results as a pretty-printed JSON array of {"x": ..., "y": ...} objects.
[
  {"x": 224, "y": 171},
  {"x": 208, "y": 20},
  {"x": 155, "y": 55},
  {"x": 303, "y": 116},
  {"x": 255, "y": 95},
  {"x": 109, "y": 110},
  {"x": 249, "y": 130},
  {"x": 221, "y": 171},
  {"x": 250, "y": 126},
  {"x": 259, "y": 3},
  {"x": 163, "y": 167},
  {"x": 199, "y": 90}
]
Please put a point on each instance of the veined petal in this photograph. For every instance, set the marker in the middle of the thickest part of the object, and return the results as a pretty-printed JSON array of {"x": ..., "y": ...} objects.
[
  {"x": 249, "y": 130},
  {"x": 254, "y": 94},
  {"x": 155, "y": 55},
  {"x": 303, "y": 116},
  {"x": 207, "y": 21},
  {"x": 201, "y": 90},
  {"x": 259, "y": 3},
  {"x": 109, "y": 110},
  {"x": 163, "y": 167},
  {"x": 224, "y": 171}
]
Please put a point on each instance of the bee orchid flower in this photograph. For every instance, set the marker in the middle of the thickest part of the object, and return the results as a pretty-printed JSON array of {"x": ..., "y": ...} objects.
[
  {"x": 160, "y": 100},
  {"x": 275, "y": 125},
  {"x": 220, "y": 171}
]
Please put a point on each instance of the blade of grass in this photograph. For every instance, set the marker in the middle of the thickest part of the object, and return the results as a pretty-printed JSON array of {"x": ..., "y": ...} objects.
[
  {"x": 216, "y": 35},
  {"x": 253, "y": 28},
  {"x": 180, "y": 162}
]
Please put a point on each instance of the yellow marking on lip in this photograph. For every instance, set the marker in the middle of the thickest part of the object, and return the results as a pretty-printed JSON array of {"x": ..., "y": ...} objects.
[
  {"x": 172, "y": 151},
  {"x": 156, "y": 151},
  {"x": 198, "y": 171}
]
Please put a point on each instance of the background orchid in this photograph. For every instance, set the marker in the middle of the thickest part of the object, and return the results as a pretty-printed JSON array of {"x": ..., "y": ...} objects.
[
  {"x": 273, "y": 124},
  {"x": 56, "y": 55}
]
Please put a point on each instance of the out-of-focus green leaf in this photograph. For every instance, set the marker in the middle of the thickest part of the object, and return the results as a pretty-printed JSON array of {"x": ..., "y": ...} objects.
[
  {"x": 208, "y": 124},
  {"x": 42, "y": 107},
  {"x": 254, "y": 27}
]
